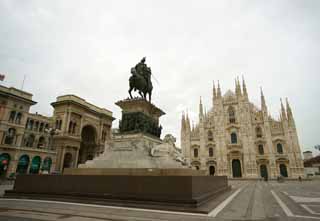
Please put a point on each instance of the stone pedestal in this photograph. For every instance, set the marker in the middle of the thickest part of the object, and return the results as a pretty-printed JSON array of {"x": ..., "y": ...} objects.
[
  {"x": 138, "y": 143},
  {"x": 139, "y": 116}
]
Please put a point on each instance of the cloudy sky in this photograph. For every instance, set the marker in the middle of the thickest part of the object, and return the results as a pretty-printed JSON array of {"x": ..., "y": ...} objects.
[{"x": 88, "y": 47}]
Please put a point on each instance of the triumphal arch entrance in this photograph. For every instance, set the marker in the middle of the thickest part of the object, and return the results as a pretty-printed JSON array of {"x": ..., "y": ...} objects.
[{"x": 82, "y": 129}]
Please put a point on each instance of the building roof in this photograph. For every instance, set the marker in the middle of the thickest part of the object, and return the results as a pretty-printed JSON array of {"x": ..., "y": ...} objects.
[
  {"x": 17, "y": 94},
  {"x": 70, "y": 98}
]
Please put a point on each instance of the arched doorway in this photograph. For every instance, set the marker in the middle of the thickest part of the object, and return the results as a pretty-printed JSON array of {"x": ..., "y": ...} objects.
[
  {"x": 212, "y": 170},
  {"x": 236, "y": 168},
  {"x": 264, "y": 171},
  {"x": 35, "y": 165},
  {"x": 67, "y": 162},
  {"x": 23, "y": 164},
  {"x": 46, "y": 165},
  {"x": 88, "y": 144},
  {"x": 283, "y": 170},
  {"x": 4, "y": 163}
]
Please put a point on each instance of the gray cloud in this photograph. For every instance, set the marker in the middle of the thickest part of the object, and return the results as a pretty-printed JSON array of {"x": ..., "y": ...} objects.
[{"x": 87, "y": 48}]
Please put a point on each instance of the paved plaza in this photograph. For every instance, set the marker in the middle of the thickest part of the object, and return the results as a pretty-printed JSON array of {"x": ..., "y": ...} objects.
[{"x": 248, "y": 200}]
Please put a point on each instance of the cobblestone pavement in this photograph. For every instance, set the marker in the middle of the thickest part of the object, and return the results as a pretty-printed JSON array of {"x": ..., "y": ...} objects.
[{"x": 248, "y": 200}]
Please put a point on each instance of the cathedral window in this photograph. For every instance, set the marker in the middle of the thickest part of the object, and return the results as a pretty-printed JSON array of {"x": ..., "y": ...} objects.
[
  {"x": 232, "y": 115},
  {"x": 195, "y": 152},
  {"x": 234, "y": 138},
  {"x": 258, "y": 132},
  {"x": 210, "y": 135},
  {"x": 260, "y": 149},
  {"x": 210, "y": 152},
  {"x": 279, "y": 148}
]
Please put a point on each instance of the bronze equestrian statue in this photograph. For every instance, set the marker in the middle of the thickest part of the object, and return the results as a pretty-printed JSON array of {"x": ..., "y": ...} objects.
[{"x": 141, "y": 80}]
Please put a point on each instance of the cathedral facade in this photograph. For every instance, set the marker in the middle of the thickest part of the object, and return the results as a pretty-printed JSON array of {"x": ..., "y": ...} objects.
[{"x": 237, "y": 139}]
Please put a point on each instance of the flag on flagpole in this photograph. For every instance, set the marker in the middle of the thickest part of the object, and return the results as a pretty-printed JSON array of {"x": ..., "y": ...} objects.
[{"x": 2, "y": 76}]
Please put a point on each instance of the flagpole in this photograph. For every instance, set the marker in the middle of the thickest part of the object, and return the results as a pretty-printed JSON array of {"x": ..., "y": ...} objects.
[{"x": 24, "y": 78}]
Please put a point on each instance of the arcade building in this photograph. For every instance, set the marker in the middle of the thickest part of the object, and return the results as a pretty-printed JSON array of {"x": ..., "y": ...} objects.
[{"x": 33, "y": 143}]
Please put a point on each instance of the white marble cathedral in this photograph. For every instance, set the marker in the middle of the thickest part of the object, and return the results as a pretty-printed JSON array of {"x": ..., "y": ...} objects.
[{"x": 237, "y": 139}]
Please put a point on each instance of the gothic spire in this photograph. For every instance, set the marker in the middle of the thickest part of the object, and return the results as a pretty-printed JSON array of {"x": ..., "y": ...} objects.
[
  {"x": 219, "y": 90},
  {"x": 238, "y": 87},
  {"x": 188, "y": 122},
  {"x": 214, "y": 91},
  {"x": 183, "y": 123},
  {"x": 283, "y": 111},
  {"x": 244, "y": 88},
  {"x": 289, "y": 111},
  {"x": 263, "y": 101}
]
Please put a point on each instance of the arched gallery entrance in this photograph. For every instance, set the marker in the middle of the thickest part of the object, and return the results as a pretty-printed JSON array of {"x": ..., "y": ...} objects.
[
  {"x": 67, "y": 162},
  {"x": 212, "y": 170},
  {"x": 35, "y": 165},
  {"x": 4, "y": 163},
  {"x": 283, "y": 170},
  {"x": 23, "y": 164},
  {"x": 236, "y": 168},
  {"x": 88, "y": 144},
  {"x": 263, "y": 171},
  {"x": 46, "y": 166}
]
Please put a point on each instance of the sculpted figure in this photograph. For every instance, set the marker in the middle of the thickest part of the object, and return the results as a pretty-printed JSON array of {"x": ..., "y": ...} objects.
[{"x": 141, "y": 80}]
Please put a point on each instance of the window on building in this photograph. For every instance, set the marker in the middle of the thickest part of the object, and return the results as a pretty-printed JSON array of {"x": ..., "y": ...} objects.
[
  {"x": 234, "y": 138},
  {"x": 30, "y": 125},
  {"x": 10, "y": 135},
  {"x": 210, "y": 135},
  {"x": 30, "y": 140},
  {"x": 258, "y": 132},
  {"x": 195, "y": 152},
  {"x": 279, "y": 148},
  {"x": 232, "y": 115},
  {"x": 41, "y": 127},
  {"x": 210, "y": 152},
  {"x": 18, "y": 118},
  {"x": 70, "y": 127},
  {"x": 260, "y": 149},
  {"x": 36, "y": 126},
  {"x": 12, "y": 116},
  {"x": 41, "y": 143},
  {"x": 74, "y": 126}
]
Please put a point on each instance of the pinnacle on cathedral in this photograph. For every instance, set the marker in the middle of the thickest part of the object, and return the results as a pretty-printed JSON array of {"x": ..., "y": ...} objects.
[
  {"x": 263, "y": 101},
  {"x": 289, "y": 113},
  {"x": 214, "y": 91},
  {"x": 238, "y": 87},
  {"x": 219, "y": 91},
  {"x": 283, "y": 111},
  {"x": 244, "y": 88}
]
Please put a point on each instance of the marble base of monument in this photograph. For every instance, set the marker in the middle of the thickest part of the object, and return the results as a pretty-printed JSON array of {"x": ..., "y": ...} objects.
[{"x": 178, "y": 193}]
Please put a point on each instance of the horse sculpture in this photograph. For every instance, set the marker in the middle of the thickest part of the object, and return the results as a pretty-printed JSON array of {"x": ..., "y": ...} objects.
[{"x": 138, "y": 82}]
